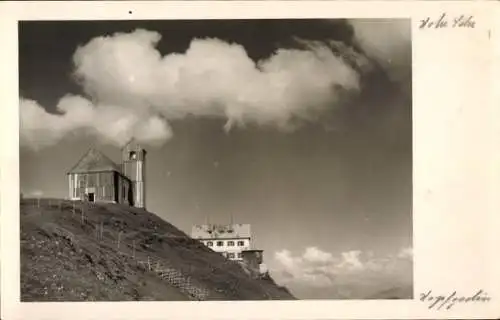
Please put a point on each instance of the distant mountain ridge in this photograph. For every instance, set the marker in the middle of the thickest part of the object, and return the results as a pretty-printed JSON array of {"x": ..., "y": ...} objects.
[
  {"x": 394, "y": 293},
  {"x": 75, "y": 251}
]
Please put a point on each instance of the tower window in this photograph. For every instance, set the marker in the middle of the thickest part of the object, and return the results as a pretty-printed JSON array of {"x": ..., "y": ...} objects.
[{"x": 132, "y": 155}]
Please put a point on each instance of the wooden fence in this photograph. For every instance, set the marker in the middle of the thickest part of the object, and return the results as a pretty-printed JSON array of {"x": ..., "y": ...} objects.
[{"x": 153, "y": 263}]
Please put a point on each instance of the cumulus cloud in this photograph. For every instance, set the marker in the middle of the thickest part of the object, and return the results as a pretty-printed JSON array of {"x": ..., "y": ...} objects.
[
  {"x": 317, "y": 268},
  {"x": 311, "y": 268},
  {"x": 313, "y": 254},
  {"x": 350, "y": 260},
  {"x": 78, "y": 115},
  {"x": 134, "y": 89},
  {"x": 211, "y": 78},
  {"x": 388, "y": 41}
]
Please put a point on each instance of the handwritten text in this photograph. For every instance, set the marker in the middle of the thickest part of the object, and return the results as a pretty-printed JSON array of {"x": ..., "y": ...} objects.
[
  {"x": 444, "y": 21},
  {"x": 439, "y": 302}
]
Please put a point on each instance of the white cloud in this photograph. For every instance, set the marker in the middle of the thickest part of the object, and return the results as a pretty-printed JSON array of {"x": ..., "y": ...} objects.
[
  {"x": 211, "y": 78},
  {"x": 110, "y": 123},
  {"x": 317, "y": 268},
  {"x": 388, "y": 41},
  {"x": 350, "y": 260},
  {"x": 313, "y": 254},
  {"x": 406, "y": 253},
  {"x": 286, "y": 259},
  {"x": 135, "y": 90}
]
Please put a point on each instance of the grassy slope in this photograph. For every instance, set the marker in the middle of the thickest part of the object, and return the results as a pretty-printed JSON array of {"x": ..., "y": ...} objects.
[{"x": 62, "y": 259}]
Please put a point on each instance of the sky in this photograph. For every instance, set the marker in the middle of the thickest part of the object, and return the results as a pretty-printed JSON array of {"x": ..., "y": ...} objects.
[{"x": 301, "y": 128}]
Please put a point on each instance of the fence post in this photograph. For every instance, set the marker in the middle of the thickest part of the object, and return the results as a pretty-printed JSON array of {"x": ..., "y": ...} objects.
[
  {"x": 83, "y": 213},
  {"x": 118, "y": 243},
  {"x": 149, "y": 264},
  {"x": 133, "y": 249}
]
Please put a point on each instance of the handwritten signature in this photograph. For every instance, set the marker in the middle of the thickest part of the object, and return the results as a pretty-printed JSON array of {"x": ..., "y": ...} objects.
[
  {"x": 439, "y": 302},
  {"x": 444, "y": 21}
]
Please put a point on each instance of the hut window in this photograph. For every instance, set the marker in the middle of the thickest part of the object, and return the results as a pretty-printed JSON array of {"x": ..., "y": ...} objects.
[
  {"x": 220, "y": 243},
  {"x": 230, "y": 243},
  {"x": 231, "y": 255},
  {"x": 210, "y": 243},
  {"x": 239, "y": 255},
  {"x": 241, "y": 243}
]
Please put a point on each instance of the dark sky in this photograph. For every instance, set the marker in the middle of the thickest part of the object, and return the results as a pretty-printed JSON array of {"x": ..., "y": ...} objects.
[{"x": 339, "y": 184}]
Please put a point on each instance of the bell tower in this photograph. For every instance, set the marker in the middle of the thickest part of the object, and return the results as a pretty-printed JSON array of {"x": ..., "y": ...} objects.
[{"x": 134, "y": 167}]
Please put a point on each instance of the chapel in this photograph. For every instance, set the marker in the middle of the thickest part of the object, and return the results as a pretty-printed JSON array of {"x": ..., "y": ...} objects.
[{"x": 97, "y": 178}]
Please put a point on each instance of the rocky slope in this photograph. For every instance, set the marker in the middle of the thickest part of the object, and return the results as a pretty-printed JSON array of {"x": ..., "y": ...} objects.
[{"x": 74, "y": 251}]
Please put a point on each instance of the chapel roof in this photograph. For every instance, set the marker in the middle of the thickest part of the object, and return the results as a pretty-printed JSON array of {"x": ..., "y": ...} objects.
[{"x": 94, "y": 161}]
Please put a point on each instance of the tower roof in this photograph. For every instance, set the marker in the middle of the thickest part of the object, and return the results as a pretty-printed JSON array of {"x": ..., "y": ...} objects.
[
  {"x": 94, "y": 161},
  {"x": 133, "y": 145}
]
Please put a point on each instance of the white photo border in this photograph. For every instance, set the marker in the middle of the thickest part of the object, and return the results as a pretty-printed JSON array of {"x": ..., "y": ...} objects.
[{"x": 456, "y": 159}]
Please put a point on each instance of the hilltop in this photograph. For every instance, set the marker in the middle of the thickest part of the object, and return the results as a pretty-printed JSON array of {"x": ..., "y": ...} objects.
[{"x": 75, "y": 251}]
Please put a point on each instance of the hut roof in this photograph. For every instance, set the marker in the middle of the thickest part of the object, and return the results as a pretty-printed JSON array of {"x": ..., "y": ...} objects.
[
  {"x": 94, "y": 161},
  {"x": 230, "y": 231}
]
